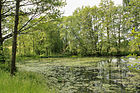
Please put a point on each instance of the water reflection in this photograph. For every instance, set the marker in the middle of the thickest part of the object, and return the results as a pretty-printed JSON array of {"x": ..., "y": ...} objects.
[{"x": 110, "y": 76}]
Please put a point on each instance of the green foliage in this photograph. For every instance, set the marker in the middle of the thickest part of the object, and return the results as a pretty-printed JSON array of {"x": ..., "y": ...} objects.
[
  {"x": 5, "y": 67},
  {"x": 44, "y": 40},
  {"x": 102, "y": 30}
]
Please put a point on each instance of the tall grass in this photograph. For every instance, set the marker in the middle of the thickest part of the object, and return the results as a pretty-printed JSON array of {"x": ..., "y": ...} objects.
[{"x": 23, "y": 83}]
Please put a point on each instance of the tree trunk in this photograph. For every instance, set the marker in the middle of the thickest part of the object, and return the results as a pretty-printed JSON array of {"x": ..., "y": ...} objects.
[
  {"x": 14, "y": 46},
  {"x": 108, "y": 40},
  {"x": 1, "y": 39},
  {"x": 2, "y": 58},
  {"x": 119, "y": 33},
  {"x": 0, "y": 21}
]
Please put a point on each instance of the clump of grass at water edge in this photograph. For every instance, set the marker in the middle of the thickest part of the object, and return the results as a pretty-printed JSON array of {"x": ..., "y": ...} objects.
[{"x": 23, "y": 82}]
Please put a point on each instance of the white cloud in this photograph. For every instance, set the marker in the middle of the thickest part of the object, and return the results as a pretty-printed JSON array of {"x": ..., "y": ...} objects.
[{"x": 73, "y": 4}]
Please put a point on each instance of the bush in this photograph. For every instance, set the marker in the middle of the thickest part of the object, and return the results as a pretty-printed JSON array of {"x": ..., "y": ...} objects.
[{"x": 5, "y": 66}]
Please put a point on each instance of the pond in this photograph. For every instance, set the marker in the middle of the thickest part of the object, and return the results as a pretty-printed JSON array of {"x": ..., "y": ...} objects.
[{"x": 89, "y": 75}]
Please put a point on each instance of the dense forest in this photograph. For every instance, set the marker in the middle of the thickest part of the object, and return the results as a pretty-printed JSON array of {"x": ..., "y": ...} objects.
[
  {"x": 37, "y": 28},
  {"x": 91, "y": 31},
  {"x": 99, "y": 30},
  {"x": 103, "y": 30}
]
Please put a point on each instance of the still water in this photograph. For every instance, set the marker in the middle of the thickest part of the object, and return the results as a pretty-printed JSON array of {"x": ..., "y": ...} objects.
[{"x": 115, "y": 75}]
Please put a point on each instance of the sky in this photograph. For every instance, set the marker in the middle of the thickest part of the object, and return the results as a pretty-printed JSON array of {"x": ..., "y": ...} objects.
[{"x": 73, "y": 4}]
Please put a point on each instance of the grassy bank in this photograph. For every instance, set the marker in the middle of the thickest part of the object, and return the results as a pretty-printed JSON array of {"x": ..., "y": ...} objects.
[{"x": 23, "y": 82}]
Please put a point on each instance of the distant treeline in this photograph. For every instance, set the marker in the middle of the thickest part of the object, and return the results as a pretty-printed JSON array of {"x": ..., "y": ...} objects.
[{"x": 90, "y": 31}]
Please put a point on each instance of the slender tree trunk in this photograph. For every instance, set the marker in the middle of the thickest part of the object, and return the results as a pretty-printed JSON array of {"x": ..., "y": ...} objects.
[
  {"x": 33, "y": 44},
  {"x": 0, "y": 21},
  {"x": 1, "y": 39},
  {"x": 101, "y": 44},
  {"x": 108, "y": 39},
  {"x": 119, "y": 33},
  {"x": 14, "y": 46},
  {"x": 2, "y": 58}
]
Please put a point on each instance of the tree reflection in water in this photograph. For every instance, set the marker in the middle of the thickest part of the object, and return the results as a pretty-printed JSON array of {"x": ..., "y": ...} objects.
[{"x": 110, "y": 76}]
